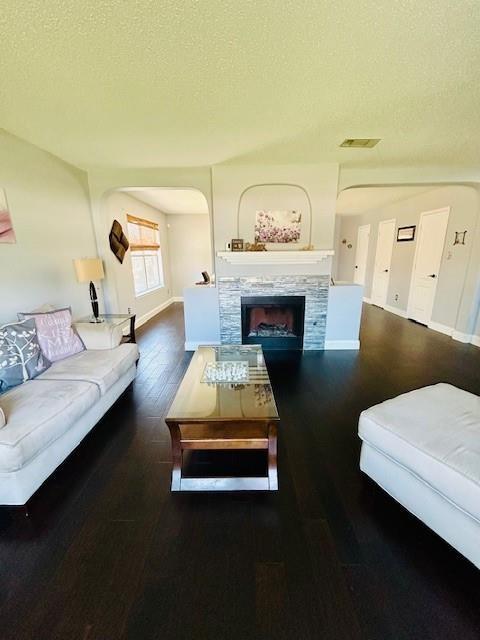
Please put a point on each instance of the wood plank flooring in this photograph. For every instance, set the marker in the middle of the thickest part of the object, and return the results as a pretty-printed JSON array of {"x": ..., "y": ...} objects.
[{"x": 109, "y": 553}]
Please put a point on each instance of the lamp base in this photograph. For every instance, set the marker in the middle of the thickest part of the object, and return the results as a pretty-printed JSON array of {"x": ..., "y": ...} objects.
[{"x": 93, "y": 299}]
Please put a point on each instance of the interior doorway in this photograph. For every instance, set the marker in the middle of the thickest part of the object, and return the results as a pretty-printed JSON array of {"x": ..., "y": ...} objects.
[
  {"x": 170, "y": 247},
  {"x": 426, "y": 266},
  {"x": 361, "y": 255},
  {"x": 383, "y": 260}
]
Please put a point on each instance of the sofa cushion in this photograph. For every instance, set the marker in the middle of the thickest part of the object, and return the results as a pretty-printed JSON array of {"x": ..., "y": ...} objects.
[
  {"x": 99, "y": 336},
  {"x": 39, "y": 412},
  {"x": 102, "y": 367},
  {"x": 20, "y": 355},
  {"x": 433, "y": 432}
]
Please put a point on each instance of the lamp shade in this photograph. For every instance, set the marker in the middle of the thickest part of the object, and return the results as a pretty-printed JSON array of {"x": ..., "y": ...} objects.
[{"x": 89, "y": 269}]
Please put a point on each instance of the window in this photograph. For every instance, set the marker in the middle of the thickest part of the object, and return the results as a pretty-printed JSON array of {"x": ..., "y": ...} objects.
[{"x": 146, "y": 255}]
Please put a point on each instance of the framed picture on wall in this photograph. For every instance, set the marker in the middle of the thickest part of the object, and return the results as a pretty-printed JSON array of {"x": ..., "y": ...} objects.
[
  {"x": 278, "y": 227},
  {"x": 7, "y": 234},
  {"x": 406, "y": 234}
]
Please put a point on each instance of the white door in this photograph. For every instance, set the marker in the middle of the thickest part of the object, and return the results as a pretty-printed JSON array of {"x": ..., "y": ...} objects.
[
  {"x": 383, "y": 259},
  {"x": 428, "y": 256},
  {"x": 361, "y": 254}
]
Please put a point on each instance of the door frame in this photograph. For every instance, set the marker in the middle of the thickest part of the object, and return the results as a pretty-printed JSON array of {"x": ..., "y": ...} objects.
[
  {"x": 369, "y": 227},
  {"x": 415, "y": 258},
  {"x": 394, "y": 220}
]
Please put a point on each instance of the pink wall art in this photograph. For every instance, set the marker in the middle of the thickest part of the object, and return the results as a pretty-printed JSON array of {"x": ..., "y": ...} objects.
[
  {"x": 278, "y": 226},
  {"x": 7, "y": 234}
]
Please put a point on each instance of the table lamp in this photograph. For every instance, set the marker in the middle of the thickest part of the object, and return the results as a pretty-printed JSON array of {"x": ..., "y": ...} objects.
[{"x": 88, "y": 270}]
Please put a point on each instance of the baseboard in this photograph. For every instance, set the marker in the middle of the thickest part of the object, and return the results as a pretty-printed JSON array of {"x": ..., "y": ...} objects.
[
  {"x": 396, "y": 311},
  {"x": 342, "y": 344},
  {"x": 466, "y": 338},
  {"x": 462, "y": 337},
  {"x": 192, "y": 345},
  {"x": 177, "y": 299},
  {"x": 367, "y": 300},
  {"x": 147, "y": 316},
  {"x": 441, "y": 328}
]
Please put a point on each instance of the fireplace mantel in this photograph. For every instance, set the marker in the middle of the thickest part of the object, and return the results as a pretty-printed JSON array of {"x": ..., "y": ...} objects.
[{"x": 274, "y": 257}]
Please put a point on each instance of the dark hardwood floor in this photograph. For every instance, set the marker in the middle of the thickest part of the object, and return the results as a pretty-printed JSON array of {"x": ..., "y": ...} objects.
[{"x": 108, "y": 552}]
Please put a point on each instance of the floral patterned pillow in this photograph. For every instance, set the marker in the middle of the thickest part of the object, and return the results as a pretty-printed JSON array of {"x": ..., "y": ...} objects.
[{"x": 20, "y": 355}]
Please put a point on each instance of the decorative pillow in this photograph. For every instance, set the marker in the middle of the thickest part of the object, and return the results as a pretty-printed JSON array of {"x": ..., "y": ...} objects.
[
  {"x": 43, "y": 308},
  {"x": 20, "y": 355},
  {"x": 57, "y": 338},
  {"x": 3, "y": 420}
]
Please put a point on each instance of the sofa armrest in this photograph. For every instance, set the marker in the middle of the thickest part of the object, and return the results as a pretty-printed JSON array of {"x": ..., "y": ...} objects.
[
  {"x": 99, "y": 336},
  {"x": 3, "y": 419}
]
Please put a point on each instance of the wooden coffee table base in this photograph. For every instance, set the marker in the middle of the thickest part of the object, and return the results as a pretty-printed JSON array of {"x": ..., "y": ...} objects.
[{"x": 223, "y": 435}]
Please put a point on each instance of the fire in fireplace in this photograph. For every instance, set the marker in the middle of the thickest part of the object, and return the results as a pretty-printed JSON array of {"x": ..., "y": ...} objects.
[{"x": 275, "y": 322}]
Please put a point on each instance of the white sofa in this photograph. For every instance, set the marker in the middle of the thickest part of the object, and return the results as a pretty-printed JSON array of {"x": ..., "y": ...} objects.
[
  {"x": 46, "y": 418},
  {"x": 423, "y": 448}
]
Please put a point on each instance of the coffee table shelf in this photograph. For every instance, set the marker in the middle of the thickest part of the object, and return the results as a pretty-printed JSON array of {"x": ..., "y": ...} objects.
[{"x": 223, "y": 436}]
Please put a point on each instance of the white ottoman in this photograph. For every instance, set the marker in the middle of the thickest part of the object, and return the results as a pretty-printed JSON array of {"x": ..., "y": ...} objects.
[{"x": 423, "y": 448}]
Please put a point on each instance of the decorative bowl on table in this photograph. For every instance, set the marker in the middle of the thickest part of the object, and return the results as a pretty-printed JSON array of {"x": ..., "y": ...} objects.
[{"x": 226, "y": 372}]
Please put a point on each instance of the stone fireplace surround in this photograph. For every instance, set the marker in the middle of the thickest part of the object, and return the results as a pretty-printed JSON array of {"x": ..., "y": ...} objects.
[{"x": 314, "y": 287}]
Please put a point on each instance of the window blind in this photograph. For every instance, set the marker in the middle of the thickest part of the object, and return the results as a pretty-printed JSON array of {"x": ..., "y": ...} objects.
[{"x": 143, "y": 234}]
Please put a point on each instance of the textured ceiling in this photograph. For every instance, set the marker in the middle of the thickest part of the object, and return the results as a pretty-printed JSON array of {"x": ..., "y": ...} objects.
[
  {"x": 142, "y": 83},
  {"x": 172, "y": 201},
  {"x": 360, "y": 199}
]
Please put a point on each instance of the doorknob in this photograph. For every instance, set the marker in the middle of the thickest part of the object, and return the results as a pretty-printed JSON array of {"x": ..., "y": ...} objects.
[
  {"x": 356, "y": 266},
  {"x": 432, "y": 275},
  {"x": 385, "y": 271}
]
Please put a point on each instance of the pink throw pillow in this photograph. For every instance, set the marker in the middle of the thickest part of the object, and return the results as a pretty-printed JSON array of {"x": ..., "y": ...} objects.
[{"x": 56, "y": 336}]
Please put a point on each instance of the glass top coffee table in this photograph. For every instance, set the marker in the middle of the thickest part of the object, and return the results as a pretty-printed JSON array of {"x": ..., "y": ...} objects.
[{"x": 225, "y": 401}]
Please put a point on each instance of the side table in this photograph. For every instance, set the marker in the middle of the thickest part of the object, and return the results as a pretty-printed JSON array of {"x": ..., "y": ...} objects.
[{"x": 116, "y": 320}]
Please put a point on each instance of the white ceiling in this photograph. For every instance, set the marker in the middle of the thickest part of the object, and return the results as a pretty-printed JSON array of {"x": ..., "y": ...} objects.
[
  {"x": 172, "y": 201},
  {"x": 138, "y": 83},
  {"x": 360, "y": 199}
]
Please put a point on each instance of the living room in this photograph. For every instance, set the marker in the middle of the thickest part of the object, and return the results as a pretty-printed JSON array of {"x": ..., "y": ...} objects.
[{"x": 242, "y": 413}]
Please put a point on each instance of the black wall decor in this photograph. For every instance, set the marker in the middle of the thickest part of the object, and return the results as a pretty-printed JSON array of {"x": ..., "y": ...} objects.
[
  {"x": 406, "y": 234},
  {"x": 459, "y": 237}
]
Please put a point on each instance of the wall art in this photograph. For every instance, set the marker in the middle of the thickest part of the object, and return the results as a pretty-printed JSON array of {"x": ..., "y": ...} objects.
[
  {"x": 118, "y": 241},
  {"x": 7, "y": 234},
  {"x": 278, "y": 227},
  {"x": 459, "y": 237},
  {"x": 406, "y": 234}
]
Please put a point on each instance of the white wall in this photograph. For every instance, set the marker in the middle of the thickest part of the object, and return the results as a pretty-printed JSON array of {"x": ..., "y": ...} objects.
[
  {"x": 319, "y": 181},
  {"x": 190, "y": 248},
  {"x": 456, "y": 260},
  {"x": 49, "y": 205},
  {"x": 118, "y": 204}
]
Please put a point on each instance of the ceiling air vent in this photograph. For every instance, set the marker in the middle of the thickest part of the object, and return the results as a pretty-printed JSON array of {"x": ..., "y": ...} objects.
[{"x": 360, "y": 143}]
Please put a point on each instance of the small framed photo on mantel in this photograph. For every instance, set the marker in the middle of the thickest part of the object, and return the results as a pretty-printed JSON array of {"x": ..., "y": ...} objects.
[
  {"x": 406, "y": 234},
  {"x": 237, "y": 244}
]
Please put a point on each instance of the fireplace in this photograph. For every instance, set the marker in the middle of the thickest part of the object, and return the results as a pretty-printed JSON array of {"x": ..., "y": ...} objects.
[{"x": 275, "y": 322}]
